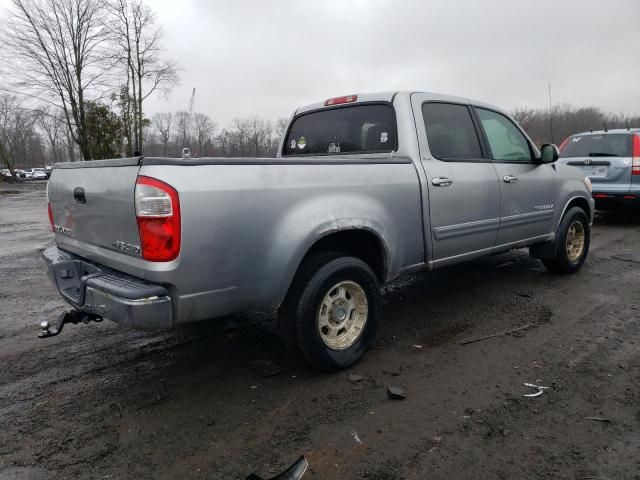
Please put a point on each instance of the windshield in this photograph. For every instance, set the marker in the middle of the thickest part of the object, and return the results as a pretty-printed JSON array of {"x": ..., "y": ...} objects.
[
  {"x": 597, "y": 145},
  {"x": 354, "y": 129}
]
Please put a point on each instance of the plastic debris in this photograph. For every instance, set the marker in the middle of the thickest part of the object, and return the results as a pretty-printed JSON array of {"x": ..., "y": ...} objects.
[
  {"x": 598, "y": 419},
  {"x": 355, "y": 378},
  {"x": 294, "y": 472},
  {"x": 356, "y": 438},
  {"x": 396, "y": 393},
  {"x": 540, "y": 389},
  {"x": 499, "y": 334}
]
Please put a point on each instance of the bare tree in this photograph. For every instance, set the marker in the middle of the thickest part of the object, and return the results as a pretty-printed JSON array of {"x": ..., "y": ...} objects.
[
  {"x": 183, "y": 129},
  {"x": 163, "y": 122},
  {"x": 18, "y": 138},
  {"x": 256, "y": 132},
  {"x": 52, "y": 125},
  {"x": 138, "y": 37},
  {"x": 56, "y": 50},
  {"x": 204, "y": 129}
]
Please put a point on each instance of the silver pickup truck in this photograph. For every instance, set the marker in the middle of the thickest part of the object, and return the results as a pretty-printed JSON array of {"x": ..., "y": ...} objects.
[{"x": 364, "y": 188}]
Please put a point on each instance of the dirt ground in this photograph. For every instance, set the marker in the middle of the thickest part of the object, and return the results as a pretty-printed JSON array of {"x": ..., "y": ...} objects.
[{"x": 101, "y": 402}]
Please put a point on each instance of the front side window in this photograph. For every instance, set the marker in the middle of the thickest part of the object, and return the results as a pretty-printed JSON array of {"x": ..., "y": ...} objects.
[
  {"x": 506, "y": 141},
  {"x": 354, "y": 129},
  {"x": 450, "y": 132}
]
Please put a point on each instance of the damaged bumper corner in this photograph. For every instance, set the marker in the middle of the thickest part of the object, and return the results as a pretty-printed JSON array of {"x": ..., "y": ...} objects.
[{"x": 97, "y": 290}]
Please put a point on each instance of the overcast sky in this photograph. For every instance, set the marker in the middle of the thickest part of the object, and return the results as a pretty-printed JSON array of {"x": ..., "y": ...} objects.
[{"x": 267, "y": 57}]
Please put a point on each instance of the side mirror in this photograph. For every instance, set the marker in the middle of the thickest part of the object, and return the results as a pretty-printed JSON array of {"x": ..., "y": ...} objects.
[{"x": 549, "y": 153}]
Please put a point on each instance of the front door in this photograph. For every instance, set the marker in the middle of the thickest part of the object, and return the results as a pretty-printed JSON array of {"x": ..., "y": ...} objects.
[
  {"x": 463, "y": 191},
  {"x": 528, "y": 188}
]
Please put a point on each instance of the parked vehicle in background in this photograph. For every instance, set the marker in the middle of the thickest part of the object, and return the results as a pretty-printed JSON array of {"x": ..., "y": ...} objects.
[
  {"x": 5, "y": 172},
  {"x": 24, "y": 173},
  {"x": 365, "y": 188},
  {"x": 611, "y": 160},
  {"x": 39, "y": 174}
]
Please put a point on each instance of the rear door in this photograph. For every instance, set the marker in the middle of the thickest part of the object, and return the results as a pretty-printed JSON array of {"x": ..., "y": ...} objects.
[
  {"x": 463, "y": 191},
  {"x": 528, "y": 188},
  {"x": 604, "y": 157}
]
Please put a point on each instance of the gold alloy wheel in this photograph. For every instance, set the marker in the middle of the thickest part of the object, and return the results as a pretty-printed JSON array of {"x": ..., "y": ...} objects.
[
  {"x": 342, "y": 315},
  {"x": 575, "y": 241}
]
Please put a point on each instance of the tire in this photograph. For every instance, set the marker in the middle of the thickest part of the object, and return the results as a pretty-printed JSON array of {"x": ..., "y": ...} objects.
[
  {"x": 330, "y": 315},
  {"x": 565, "y": 261}
]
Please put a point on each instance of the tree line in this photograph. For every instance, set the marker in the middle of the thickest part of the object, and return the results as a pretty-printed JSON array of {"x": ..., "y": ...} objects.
[
  {"x": 565, "y": 120},
  {"x": 88, "y": 65},
  {"x": 31, "y": 137},
  {"x": 35, "y": 137},
  {"x": 75, "y": 76}
]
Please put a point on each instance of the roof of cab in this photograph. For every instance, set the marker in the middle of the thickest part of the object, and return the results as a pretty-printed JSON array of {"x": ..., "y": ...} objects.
[{"x": 389, "y": 96}]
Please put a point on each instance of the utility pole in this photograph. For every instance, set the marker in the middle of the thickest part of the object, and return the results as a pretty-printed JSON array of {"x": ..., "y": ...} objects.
[
  {"x": 550, "y": 115},
  {"x": 189, "y": 112}
]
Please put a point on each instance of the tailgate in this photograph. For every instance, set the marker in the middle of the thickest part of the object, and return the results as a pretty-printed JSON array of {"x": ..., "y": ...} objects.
[
  {"x": 92, "y": 204},
  {"x": 611, "y": 174}
]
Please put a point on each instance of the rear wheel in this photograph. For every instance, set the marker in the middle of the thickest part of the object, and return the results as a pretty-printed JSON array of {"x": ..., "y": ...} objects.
[
  {"x": 572, "y": 244},
  {"x": 331, "y": 314}
]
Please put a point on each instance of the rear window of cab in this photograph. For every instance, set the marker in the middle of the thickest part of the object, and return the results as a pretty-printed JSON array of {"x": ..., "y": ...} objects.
[{"x": 364, "y": 128}]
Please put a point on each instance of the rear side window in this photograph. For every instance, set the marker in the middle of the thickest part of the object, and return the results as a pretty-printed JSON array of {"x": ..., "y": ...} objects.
[
  {"x": 597, "y": 145},
  {"x": 506, "y": 141},
  {"x": 354, "y": 129},
  {"x": 450, "y": 132}
]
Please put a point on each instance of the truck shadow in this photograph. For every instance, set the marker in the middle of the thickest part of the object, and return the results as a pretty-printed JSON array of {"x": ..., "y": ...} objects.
[
  {"x": 617, "y": 217},
  {"x": 152, "y": 399}
]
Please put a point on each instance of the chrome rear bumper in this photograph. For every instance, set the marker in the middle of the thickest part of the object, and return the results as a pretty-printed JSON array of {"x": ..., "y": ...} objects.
[{"x": 95, "y": 289}]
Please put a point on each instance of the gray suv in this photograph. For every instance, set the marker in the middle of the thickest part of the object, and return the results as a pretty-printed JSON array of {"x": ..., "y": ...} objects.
[{"x": 611, "y": 160}]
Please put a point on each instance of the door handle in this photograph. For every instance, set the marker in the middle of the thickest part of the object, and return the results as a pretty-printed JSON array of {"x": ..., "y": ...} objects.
[
  {"x": 510, "y": 178},
  {"x": 441, "y": 181}
]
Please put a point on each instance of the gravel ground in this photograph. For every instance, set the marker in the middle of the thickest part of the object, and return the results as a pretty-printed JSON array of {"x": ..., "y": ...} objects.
[{"x": 99, "y": 401}]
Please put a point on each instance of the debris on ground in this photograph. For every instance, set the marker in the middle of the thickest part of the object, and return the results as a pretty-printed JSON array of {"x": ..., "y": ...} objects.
[
  {"x": 356, "y": 437},
  {"x": 499, "y": 334},
  {"x": 355, "y": 378},
  {"x": 294, "y": 472},
  {"x": 540, "y": 389},
  {"x": 598, "y": 419},
  {"x": 628, "y": 257},
  {"x": 396, "y": 393},
  {"x": 266, "y": 368},
  {"x": 418, "y": 346}
]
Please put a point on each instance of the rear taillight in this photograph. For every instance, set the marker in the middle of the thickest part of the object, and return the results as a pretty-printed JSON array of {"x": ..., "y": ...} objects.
[
  {"x": 50, "y": 216},
  {"x": 158, "y": 215},
  {"x": 564, "y": 143},
  {"x": 635, "y": 153}
]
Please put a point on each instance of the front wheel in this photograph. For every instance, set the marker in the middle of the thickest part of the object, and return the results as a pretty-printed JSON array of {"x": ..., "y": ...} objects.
[
  {"x": 332, "y": 312},
  {"x": 572, "y": 245}
]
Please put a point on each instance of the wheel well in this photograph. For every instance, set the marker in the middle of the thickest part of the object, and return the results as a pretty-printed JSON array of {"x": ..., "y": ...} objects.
[
  {"x": 579, "y": 202},
  {"x": 361, "y": 244}
]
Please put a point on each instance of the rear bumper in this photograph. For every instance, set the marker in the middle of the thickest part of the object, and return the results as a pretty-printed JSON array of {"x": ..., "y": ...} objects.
[
  {"x": 612, "y": 199},
  {"x": 93, "y": 288}
]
